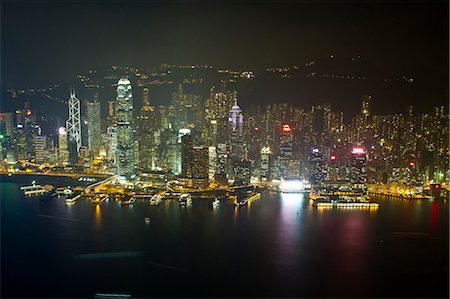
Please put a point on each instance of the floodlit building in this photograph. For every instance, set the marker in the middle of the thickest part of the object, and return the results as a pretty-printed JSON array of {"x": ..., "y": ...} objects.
[{"x": 125, "y": 134}]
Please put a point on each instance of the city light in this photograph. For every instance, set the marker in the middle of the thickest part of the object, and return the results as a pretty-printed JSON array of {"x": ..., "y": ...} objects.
[
  {"x": 333, "y": 157},
  {"x": 358, "y": 151},
  {"x": 286, "y": 128},
  {"x": 291, "y": 185}
]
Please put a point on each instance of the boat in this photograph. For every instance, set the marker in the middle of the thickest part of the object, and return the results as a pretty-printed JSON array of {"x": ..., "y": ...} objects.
[
  {"x": 34, "y": 189},
  {"x": 147, "y": 220},
  {"x": 99, "y": 198},
  {"x": 127, "y": 200},
  {"x": 63, "y": 191},
  {"x": 185, "y": 199},
  {"x": 155, "y": 200},
  {"x": 216, "y": 203}
]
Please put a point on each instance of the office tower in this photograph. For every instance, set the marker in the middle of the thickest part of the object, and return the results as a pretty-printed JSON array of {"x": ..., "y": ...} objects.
[
  {"x": 25, "y": 129},
  {"x": 265, "y": 164},
  {"x": 333, "y": 173},
  {"x": 242, "y": 170},
  {"x": 63, "y": 146},
  {"x": 236, "y": 126},
  {"x": 286, "y": 150},
  {"x": 358, "y": 174},
  {"x": 40, "y": 145},
  {"x": 200, "y": 166},
  {"x": 222, "y": 163},
  {"x": 212, "y": 164},
  {"x": 186, "y": 156},
  {"x": 73, "y": 125},
  {"x": 146, "y": 124},
  {"x": 125, "y": 134},
  {"x": 94, "y": 126},
  {"x": 317, "y": 167},
  {"x": 112, "y": 144}
]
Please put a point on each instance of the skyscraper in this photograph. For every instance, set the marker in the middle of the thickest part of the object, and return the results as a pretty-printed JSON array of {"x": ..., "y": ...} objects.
[
  {"x": 358, "y": 174},
  {"x": 317, "y": 167},
  {"x": 236, "y": 125},
  {"x": 73, "y": 124},
  {"x": 63, "y": 147},
  {"x": 200, "y": 166},
  {"x": 265, "y": 164},
  {"x": 125, "y": 135},
  {"x": 94, "y": 126},
  {"x": 40, "y": 145},
  {"x": 286, "y": 150}
]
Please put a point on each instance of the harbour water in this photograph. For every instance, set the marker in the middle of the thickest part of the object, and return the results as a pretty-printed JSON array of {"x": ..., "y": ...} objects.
[{"x": 277, "y": 246}]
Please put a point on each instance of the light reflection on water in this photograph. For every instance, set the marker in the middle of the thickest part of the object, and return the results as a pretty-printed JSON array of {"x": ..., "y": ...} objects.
[{"x": 276, "y": 243}]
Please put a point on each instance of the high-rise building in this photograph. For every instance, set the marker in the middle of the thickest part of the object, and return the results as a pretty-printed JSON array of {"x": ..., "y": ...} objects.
[
  {"x": 200, "y": 166},
  {"x": 212, "y": 163},
  {"x": 94, "y": 126},
  {"x": 358, "y": 174},
  {"x": 236, "y": 126},
  {"x": 186, "y": 156},
  {"x": 286, "y": 150},
  {"x": 125, "y": 134},
  {"x": 317, "y": 167},
  {"x": 242, "y": 170},
  {"x": 222, "y": 163},
  {"x": 40, "y": 145},
  {"x": 63, "y": 146},
  {"x": 112, "y": 144},
  {"x": 265, "y": 164},
  {"x": 73, "y": 125}
]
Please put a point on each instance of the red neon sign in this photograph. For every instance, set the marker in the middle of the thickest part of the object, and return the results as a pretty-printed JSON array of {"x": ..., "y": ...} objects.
[{"x": 286, "y": 128}]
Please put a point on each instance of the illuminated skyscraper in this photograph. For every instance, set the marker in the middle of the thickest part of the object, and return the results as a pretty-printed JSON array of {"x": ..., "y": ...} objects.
[
  {"x": 73, "y": 124},
  {"x": 358, "y": 174},
  {"x": 125, "y": 135},
  {"x": 236, "y": 126},
  {"x": 63, "y": 147},
  {"x": 94, "y": 126},
  {"x": 317, "y": 167},
  {"x": 265, "y": 164},
  {"x": 286, "y": 150},
  {"x": 112, "y": 143},
  {"x": 40, "y": 145}
]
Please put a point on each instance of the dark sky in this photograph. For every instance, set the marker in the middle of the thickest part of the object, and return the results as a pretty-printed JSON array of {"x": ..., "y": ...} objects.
[{"x": 44, "y": 42}]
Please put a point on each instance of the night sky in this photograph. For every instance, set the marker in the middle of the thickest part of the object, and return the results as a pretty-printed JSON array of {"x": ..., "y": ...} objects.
[{"x": 46, "y": 42}]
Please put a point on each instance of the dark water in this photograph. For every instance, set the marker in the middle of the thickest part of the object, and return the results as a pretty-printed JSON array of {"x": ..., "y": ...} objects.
[{"x": 278, "y": 246}]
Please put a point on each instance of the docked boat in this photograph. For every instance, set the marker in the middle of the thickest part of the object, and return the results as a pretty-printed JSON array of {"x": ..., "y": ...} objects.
[
  {"x": 216, "y": 203},
  {"x": 155, "y": 200},
  {"x": 63, "y": 191},
  {"x": 127, "y": 200},
  {"x": 185, "y": 199},
  {"x": 99, "y": 198}
]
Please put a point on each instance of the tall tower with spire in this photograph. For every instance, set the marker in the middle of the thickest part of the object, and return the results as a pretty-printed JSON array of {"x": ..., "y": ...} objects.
[
  {"x": 125, "y": 125},
  {"x": 236, "y": 126},
  {"x": 73, "y": 124}
]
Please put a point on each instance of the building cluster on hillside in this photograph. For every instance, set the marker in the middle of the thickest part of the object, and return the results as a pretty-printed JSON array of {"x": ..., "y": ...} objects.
[{"x": 213, "y": 140}]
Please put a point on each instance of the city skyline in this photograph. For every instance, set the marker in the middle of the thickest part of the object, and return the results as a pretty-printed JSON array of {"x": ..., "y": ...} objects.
[
  {"x": 224, "y": 149},
  {"x": 393, "y": 41}
]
